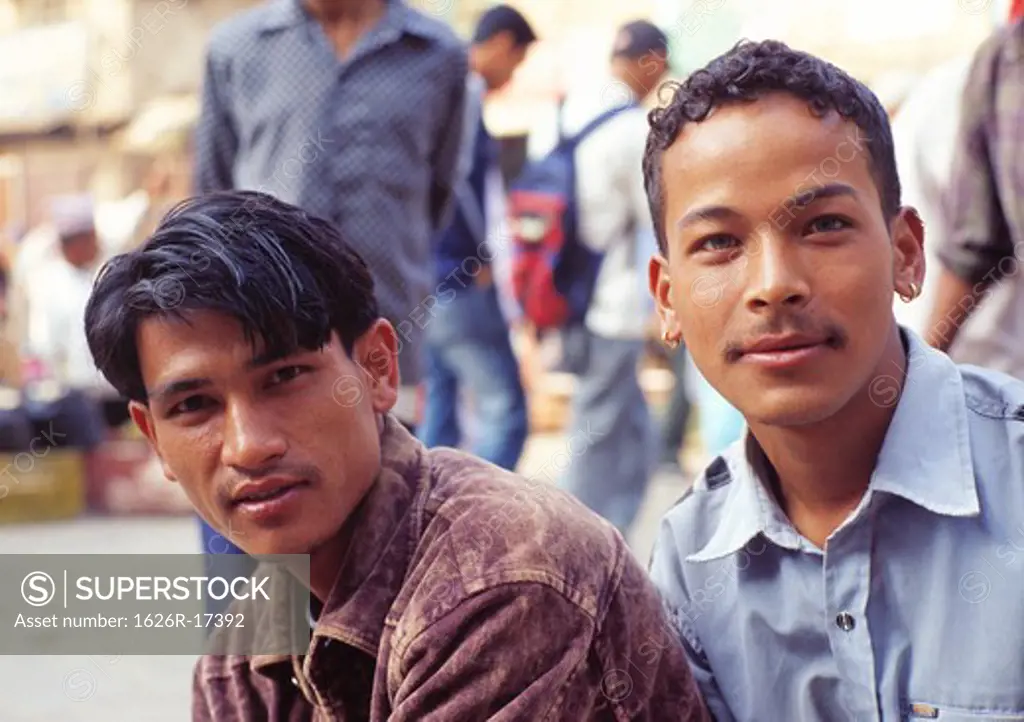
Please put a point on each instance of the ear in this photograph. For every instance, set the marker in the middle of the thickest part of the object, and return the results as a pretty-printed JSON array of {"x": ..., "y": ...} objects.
[
  {"x": 376, "y": 353},
  {"x": 908, "y": 251},
  {"x": 143, "y": 418},
  {"x": 660, "y": 283}
]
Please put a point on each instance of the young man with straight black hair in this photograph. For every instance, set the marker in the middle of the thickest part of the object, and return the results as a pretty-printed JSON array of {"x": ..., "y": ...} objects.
[
  {"x": 852, "y": 557},
  {"x": 443, "y": 588}
]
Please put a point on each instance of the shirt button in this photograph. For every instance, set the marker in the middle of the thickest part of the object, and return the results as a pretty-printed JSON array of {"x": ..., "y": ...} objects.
[{"x": 845, "y": 621}]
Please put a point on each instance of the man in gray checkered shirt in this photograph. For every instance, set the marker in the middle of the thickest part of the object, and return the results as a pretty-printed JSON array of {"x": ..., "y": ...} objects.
[{"x": 352, "y": 110}]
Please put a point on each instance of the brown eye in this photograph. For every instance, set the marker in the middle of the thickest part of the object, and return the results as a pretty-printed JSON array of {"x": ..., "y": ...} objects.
[
  {"x": 287, "y": 373},
  {"x": 828, "y": 224},
  {"x": 188, "y": 406},
  {"x": 717, "y": 243}
]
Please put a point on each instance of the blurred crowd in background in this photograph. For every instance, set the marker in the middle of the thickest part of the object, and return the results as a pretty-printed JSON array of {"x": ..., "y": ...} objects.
[{"x": 115, "y": 110}]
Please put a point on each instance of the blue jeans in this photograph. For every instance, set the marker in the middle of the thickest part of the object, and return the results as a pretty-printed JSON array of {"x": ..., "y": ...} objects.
[
  {"x": 611, "y": 437},
  {"x": 468, "y": 349}
]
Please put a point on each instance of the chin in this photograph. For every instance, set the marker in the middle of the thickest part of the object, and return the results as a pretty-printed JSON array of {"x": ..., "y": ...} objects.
[
  {"x": 279, "y": 541},
  {"x": 793, "y": 407}
]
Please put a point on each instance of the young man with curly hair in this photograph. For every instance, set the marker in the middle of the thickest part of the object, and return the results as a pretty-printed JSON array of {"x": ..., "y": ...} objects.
[{"x": 853, "y": 557}]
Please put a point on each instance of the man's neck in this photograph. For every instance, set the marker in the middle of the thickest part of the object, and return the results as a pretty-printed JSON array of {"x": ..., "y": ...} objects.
[
  {"x": 823, "y": 470},
  {"x": 334, "y": 12},
  {"x": 346, "y": 21},
  {"x": 326, "y": 562}
]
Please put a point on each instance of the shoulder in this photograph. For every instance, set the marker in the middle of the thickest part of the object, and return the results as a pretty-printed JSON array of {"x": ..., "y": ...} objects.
[
  {"x": 237, "y": 34},
  {"x": 442, "y": 37},
  {"x": 621, "y": 139},
  {"x": 992, "y": 395},
  {"x": 486, "y": 527},
  {"x": 1004, "y": 49},
  {"x": 690, "y": 524}
]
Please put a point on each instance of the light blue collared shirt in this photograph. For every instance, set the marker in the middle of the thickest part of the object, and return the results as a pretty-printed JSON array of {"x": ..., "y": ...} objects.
[{"x": 916, "y": 609}]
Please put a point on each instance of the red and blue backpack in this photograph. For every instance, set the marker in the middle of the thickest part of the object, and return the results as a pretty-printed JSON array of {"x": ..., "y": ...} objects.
[{"x": 553, "y": 271}]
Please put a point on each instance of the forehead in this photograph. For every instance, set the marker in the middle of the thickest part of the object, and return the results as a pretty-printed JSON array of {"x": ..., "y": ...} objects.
[
  {"x": 169, "y": 347},
  {"x": 767, "y": 149}
]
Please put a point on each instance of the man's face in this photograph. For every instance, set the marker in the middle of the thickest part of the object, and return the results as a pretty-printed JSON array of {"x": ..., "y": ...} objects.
[
  {"x": 776, "y": 241},
  {"x": 642, "y": 75},
  {"x": 497, "y": 59},
  {"x": 276, "y": 454},
  {"x": 80, "y": 251}
]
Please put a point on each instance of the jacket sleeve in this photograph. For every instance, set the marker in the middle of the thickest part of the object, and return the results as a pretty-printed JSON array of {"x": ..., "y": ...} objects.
[
  {"x": 525, "y": 652},
  {"x": 505, "y": 654}
]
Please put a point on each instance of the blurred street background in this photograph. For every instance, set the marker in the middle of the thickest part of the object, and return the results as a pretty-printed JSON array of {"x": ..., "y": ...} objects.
[{"x": 102, "y": 97}]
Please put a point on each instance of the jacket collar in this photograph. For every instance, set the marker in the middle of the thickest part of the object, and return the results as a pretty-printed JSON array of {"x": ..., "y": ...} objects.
[{"x": 383, "y": 534}]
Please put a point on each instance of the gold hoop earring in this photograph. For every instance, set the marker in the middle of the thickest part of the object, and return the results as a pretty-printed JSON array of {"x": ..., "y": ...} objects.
[
  {"x": 670, "y": 341},
  {"x": 908, "y": 297}
]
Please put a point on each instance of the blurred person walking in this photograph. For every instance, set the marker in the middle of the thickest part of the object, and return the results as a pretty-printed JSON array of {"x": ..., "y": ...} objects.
[
  {"x": 609, "y": 411},
  {"x": 468, "y": 343},
  {"x": 924, "y": 134},
  {"x": 55, "y": 290},
  {"x": 978, "y": 310},
  {"x": 350, "y": 109},
  {"x": 16, "y": 430}
]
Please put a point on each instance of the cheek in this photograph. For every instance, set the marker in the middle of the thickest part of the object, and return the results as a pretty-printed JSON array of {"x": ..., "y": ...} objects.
[
  {"x": 191, "y": 455},
  {"x": 702, "y": 299},
  {"x": 851, "y": 290}
]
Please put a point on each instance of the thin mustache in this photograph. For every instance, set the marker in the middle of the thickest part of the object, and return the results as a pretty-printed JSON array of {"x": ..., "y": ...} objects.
[{"x": 733, "y": 349}]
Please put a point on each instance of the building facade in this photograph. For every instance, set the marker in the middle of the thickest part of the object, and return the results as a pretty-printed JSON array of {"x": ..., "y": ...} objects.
[{"x": 79, "y": 78}]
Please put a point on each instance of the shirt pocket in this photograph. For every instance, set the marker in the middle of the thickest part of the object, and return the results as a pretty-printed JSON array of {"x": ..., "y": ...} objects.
[{"x": 920, "y": 711}]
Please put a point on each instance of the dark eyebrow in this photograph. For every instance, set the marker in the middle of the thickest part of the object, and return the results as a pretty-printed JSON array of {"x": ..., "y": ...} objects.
[
  {"x": 707, "y": 213},
  {"x": 799, "y": 200},
  {"x": 829, "y": 190},
  {"x": 176, "y": 387},
  {"x": 181, "y": 386}
]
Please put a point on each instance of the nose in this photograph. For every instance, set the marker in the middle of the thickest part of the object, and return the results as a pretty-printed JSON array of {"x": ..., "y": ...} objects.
[
  {"x": 251, "y": 437},
  {"x": 775, "y": 276}
]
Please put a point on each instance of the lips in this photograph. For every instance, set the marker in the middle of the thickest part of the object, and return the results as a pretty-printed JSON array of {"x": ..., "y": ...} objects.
[
  {"x": 264, "y": 490},
  {"x": 779, "y": 344}
]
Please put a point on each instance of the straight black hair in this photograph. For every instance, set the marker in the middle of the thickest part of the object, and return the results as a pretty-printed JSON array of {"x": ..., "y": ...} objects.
[{"x": 287, "y": 277}]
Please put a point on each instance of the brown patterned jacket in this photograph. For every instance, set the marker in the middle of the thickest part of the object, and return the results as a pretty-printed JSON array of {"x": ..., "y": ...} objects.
[{"x": 470, "y": 594}]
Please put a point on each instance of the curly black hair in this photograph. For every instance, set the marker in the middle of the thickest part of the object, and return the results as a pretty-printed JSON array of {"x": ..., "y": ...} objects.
[
  {"x": 286, "y": 275},
  {"x": 752, "y": 70}
]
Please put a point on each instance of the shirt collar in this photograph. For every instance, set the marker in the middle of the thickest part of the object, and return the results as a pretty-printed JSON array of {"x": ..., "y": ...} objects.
[
  {"x": 383, "y": 533},
  {"x": 926, "y": 456},
  {"x": 283, "y": 14},
  {"x": 925, "y": 459},
  {"x": 749, "y": 509}
]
